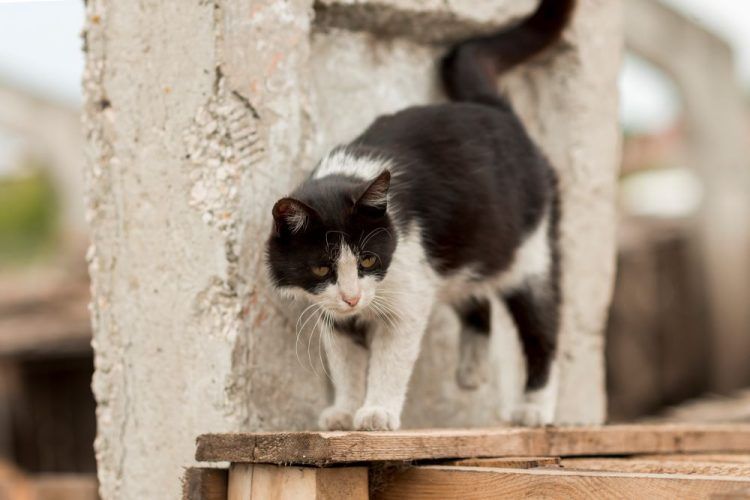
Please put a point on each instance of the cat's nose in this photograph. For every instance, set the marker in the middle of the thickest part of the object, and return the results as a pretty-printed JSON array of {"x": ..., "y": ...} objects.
[{"x": 352, "y": 301}]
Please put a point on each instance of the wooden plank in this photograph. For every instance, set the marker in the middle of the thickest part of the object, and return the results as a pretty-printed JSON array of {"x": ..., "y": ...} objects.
[
  {"x": 14, "y": 484},
  {"x": 261, "y": 482},
  {"x": 657, "y": 466},
  {"x": 240, "y": 483},
  {"x": 508, "y": 462},
  {"x": 324, "y": 448},
  {"x": 733, "y": 458},
  {"x": 342, "y": 483},
  {"x": 205, "y": 483},
  {"x": 743, "y": 494},
  {"x": 466, "y": 483},
  {"x": 65, "y": 487}
]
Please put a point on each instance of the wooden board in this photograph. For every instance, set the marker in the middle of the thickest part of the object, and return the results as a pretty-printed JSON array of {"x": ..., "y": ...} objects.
[
  {"x": 263, "y": 482},
  {"x": 730, "y": 458},
  {"x": 65, "y": 487},
  {"x": 657, "y": 466},
  {"x": 507, "y": 462},
  {"x": 743, "y": 494},
  {"x": 466, "y": 483},
  {"x": 204, "y": 483},
  {"x": 324, "y": 448}
]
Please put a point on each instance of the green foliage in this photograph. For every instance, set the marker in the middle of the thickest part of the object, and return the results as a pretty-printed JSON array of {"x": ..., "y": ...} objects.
[{"x": 28, "y": 216}]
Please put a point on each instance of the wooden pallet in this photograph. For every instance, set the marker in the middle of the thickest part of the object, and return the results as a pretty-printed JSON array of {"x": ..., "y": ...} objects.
[{"x": 624, "y": 461}]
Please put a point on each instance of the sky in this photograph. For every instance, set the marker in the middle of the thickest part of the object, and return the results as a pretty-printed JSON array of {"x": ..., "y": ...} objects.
[
  {"x": 40, "y": 49},
  {"x": 649, "y": 101},
  {"x": 40, "y": 46}
]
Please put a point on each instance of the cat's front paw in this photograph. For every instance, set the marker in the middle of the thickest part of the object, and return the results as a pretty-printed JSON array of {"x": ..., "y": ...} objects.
[
  {"x": 334, "y": 418},
  {"x": 376, "y": 418},
  {"x": 470, "y": 376},
  {"x": 532, "y": 415}
]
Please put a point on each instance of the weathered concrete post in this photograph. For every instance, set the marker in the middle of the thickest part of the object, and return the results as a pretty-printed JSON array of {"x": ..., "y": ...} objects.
[{"x": 199, "y": 115}]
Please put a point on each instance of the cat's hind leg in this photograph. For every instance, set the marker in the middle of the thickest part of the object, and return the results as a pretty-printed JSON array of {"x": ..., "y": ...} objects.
[
  {"x": 507, "y": 361},
  {"x": 474, "y": 338},
  {"x": 535, "y": 308}
]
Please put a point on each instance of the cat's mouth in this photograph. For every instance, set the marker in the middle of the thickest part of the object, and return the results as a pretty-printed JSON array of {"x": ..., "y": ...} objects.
[{"x": 345, "y": 310}]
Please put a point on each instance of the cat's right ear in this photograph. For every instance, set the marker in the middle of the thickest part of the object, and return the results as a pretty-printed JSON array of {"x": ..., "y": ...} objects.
[{"x": 291, "y": 216}]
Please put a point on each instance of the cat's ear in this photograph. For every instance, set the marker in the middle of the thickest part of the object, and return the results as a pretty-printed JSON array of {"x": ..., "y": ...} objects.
[
  {"x": 375, "y": 196},
  {"x": 291, "y": 216}
]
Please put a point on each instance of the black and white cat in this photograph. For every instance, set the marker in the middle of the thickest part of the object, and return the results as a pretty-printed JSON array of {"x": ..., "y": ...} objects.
[{"x": 448, "y": 203}]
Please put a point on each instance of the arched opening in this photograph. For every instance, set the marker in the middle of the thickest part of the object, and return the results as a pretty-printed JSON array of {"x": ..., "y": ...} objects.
[{"x": 658, "y": 329}]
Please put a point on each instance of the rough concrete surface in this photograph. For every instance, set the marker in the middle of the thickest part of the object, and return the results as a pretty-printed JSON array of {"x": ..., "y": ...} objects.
[{"x": 199, "y": 116}]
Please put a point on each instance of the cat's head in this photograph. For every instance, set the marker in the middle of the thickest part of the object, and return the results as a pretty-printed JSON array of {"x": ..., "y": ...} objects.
[{"x": 332, "y": 242}]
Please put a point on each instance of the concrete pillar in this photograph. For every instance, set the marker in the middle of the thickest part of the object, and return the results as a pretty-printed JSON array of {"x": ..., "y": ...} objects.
[{"x": 198, "y": 116}]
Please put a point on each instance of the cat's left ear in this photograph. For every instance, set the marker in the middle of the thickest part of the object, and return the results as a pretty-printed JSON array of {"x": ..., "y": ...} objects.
[
  {"x": 291, "y": 216},
  {"x": 375, "y": 196}
]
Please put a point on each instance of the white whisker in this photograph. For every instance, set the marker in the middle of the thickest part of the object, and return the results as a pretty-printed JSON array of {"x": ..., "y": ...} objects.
[
  {"x": 300, "y": 329},
  {"x": 309, "y": 340}
]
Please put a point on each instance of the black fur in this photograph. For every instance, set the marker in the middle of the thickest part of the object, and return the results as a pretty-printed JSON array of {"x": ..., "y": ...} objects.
[
  {"x": 470, "y": 68},
  {"x": 466, "y": 172},
  {"x": 475, "y": 314},
  {"x": 333, "y": 213},
  {"x": 469, "y": 175}
]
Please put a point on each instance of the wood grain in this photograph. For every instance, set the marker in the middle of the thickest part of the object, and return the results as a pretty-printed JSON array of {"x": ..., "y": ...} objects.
[
  {"x": 733, "y": 458},
  {"x": 263, "y": 482},
  {"x": 240, "y": 484},
  {"x": 467, "y": 483},
  {"x": 507, "y": 462},
  {"x": 204, "y": 483},
  {"x": 325, "y": 448},
  {"x": 657, "y": 466},
  {"x": 743, "y": 494}
]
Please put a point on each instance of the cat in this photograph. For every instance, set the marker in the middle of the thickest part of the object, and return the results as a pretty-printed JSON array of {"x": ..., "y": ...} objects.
[{"x": 447, "y": 203}]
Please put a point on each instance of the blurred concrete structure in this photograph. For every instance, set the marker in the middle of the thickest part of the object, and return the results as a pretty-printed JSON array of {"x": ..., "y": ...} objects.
[
  {"x": 718, "y": 151},
  {"x": 195, "y": 127}
]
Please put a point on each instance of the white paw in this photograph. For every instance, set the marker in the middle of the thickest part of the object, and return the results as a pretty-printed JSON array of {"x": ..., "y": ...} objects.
[
  {"x": 471, "y": 376},
  {"x": 335, "y": 419},
  {"x": 531, "y": 415},
  {"x": 506, "y": 414},
  {"x": 376, "y": 418}
]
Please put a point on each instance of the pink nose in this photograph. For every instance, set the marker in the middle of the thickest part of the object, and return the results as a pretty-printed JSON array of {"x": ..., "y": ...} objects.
[{"x": 352, "y": 301}]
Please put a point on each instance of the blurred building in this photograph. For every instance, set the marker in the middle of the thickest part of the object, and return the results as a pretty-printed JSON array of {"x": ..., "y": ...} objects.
[
  {"x": 679, "y": 324},
  {"x": 47, "y": 411}
]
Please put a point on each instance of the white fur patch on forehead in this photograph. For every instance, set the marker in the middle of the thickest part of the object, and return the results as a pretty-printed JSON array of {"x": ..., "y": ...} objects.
[
  {"x": 341, "y": 161},
  {"x": 348, "y": 271}
]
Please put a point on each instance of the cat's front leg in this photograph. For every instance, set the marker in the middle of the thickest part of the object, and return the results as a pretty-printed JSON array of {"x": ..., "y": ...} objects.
[
  {"x": 347, "y": 361},
  {"x": 394, "y": 348}
]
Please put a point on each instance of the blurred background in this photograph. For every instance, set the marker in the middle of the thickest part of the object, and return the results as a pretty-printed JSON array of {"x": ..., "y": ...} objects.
[{"x": 678, "y": 344}]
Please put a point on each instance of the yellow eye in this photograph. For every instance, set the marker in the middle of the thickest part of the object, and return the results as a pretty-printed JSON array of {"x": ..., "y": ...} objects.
[
  {"x": 367, "y": 262},
  {"x": 321, "y": 271}
]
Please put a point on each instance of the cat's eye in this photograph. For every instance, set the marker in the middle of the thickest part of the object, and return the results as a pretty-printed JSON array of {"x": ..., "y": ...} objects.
[
  {"x": 367, "y": 262},
  {"x": 321, "y": 271}
]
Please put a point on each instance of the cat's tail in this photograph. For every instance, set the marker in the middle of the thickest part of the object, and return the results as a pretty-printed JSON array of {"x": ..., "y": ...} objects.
[{"x": 470, "y": 68}]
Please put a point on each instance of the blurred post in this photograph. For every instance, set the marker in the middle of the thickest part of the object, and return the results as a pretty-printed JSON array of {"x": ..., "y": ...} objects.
[
  {"x": 199, "y": 115},
  {"x": 718, "y": 151}
]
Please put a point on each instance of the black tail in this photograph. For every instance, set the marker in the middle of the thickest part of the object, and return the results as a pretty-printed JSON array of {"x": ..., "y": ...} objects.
[{"x": 470, "y": 69}]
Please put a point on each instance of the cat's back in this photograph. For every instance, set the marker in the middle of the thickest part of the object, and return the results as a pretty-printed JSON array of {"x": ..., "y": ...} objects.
[{"x": 467, "y": 174}]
